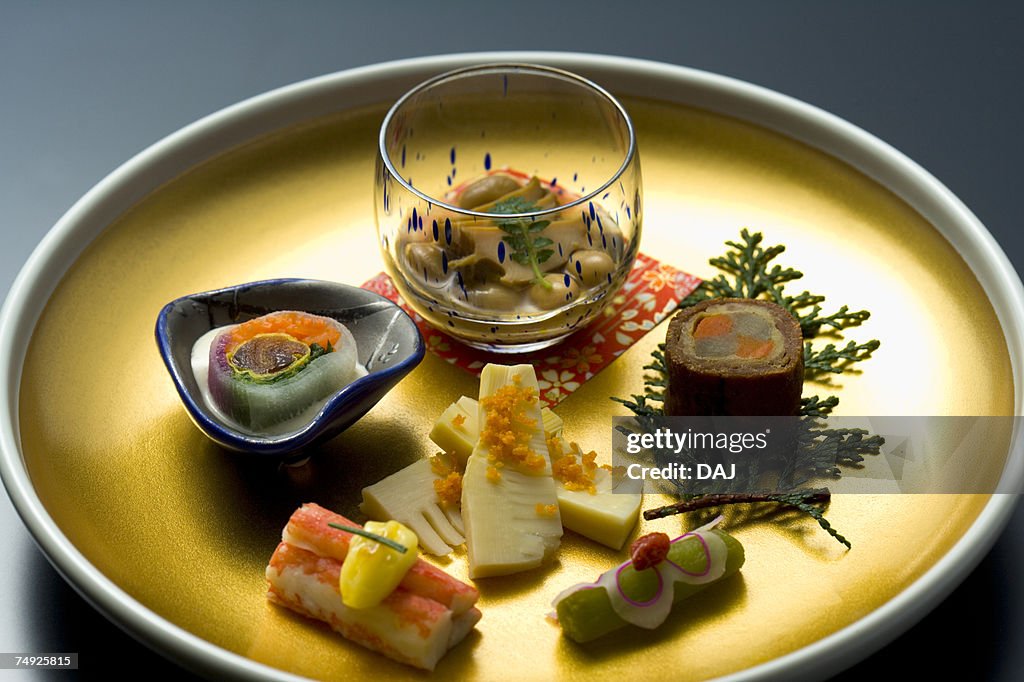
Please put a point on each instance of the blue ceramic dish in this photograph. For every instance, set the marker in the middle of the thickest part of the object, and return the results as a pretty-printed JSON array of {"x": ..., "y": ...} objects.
[{"x": 389, "y": 345}]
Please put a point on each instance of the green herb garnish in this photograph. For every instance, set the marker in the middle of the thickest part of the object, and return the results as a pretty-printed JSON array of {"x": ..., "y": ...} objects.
[
  {"x": 818, "y": 450},
  {"x": 398, "y": 547},
  {"x": 527, "y": 246},
  {"x": 316, "y": 350}
]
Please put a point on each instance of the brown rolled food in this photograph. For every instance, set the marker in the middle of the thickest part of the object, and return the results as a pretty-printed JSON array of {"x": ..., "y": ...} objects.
[{"x": 736, "y": 357}]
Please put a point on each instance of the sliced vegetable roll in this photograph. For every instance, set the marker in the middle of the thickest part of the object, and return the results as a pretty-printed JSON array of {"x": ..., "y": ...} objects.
[
  {"x": 272, "y": 368},
  {"x": 734, "y": 356},
  {"x": 313, "y": 571},
  {"x": 642, "y": 591}
]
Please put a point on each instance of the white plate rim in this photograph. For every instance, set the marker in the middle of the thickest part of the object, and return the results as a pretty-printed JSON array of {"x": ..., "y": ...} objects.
[{"x": 306, "y": 99}]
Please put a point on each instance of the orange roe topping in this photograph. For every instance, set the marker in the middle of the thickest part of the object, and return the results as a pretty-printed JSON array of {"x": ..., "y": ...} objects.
[
  {"x": 753, "y": 348},
  {"x": 713, "y": 325},
  {"x": 554, "y": 444},
  {"x": 575, "y": 475},
  {"x": 546, "y": 509},
  {"x": 458, "y": 421},
  {"x": 449, "y": 489},
  {"x": 304, "y": 327},
  {"x": 439, "y": 464},
  {"x": 442, "y": 464},
  {"x": 506, "y": 431},
  {"x": 448, "y": 484}
]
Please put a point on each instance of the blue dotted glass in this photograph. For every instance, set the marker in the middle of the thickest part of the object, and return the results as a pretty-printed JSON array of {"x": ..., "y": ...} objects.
[{"x": 480, "y": 226}]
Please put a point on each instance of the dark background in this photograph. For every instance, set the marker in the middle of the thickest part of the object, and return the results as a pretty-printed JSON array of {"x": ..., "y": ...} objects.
[{"x": 84, "y": 86}]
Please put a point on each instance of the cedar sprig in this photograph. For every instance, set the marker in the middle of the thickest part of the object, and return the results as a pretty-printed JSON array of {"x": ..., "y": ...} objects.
[
  {"x": 749, "y": 273},
  {"x": 814, "y": 406},
  {"x": 754, "y": 276},
  {"x": 654, "y": 387},
  {"x": 654, "y": 384},
  {"x": 811, "y": 502},
  {"x": 817, "y": 513},
  {"x": 639, "y": 406},
  {"x": 819, "y": 453},
  {"x": 691, "y": 503},
  {"x": 834, "y": 359},
  {"x": 748, "y": 263}
]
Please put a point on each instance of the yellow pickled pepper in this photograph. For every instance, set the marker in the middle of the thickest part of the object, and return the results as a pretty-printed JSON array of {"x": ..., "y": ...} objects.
[{"x": 371, "y": 570}]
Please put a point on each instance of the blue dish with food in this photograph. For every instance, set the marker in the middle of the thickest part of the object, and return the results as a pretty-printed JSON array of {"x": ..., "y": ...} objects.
[{"x": 274, "y": 367}]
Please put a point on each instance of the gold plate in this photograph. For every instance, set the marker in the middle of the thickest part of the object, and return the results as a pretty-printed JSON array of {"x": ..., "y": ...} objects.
[{"x": 186, "y": 528}]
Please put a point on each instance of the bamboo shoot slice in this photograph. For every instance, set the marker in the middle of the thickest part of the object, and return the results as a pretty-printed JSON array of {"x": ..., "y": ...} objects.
[
  {"x": 506, "y": 531},
  {"x": 606, "y": 516},
  {"x": 408, "y": 496},
  {"x": 456, "y": 430}
]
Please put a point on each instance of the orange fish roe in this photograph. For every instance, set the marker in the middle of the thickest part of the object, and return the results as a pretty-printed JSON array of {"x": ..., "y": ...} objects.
[
  {"x": 554, "y": 444},
  {"x": 448, "y": 484},
  {"x": 304, "y": 327},
  {"x": 449, "y": 489},
  {"x": 506, "y": 430},
  {"x": 458, "y": 421},
  {"x": 546, "y": 509},
  {"x": 576, "y": 475},
  {"x": 442, "y": 464}
]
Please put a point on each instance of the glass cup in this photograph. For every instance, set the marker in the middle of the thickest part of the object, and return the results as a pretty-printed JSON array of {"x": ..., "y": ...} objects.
[{"x": 508, "y": 203}]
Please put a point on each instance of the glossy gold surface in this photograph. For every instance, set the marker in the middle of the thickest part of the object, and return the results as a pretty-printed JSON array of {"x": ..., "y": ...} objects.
[{"x": 186, "y": 528}]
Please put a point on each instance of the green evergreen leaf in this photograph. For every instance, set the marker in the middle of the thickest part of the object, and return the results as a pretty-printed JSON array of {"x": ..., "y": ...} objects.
[
  {"x": 836, "y": 360},
  {"x": 749, "y": 272}
]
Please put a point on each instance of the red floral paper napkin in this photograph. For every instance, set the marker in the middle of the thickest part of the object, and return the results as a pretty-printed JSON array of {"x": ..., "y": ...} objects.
[{"x": 651, "y": 292}]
